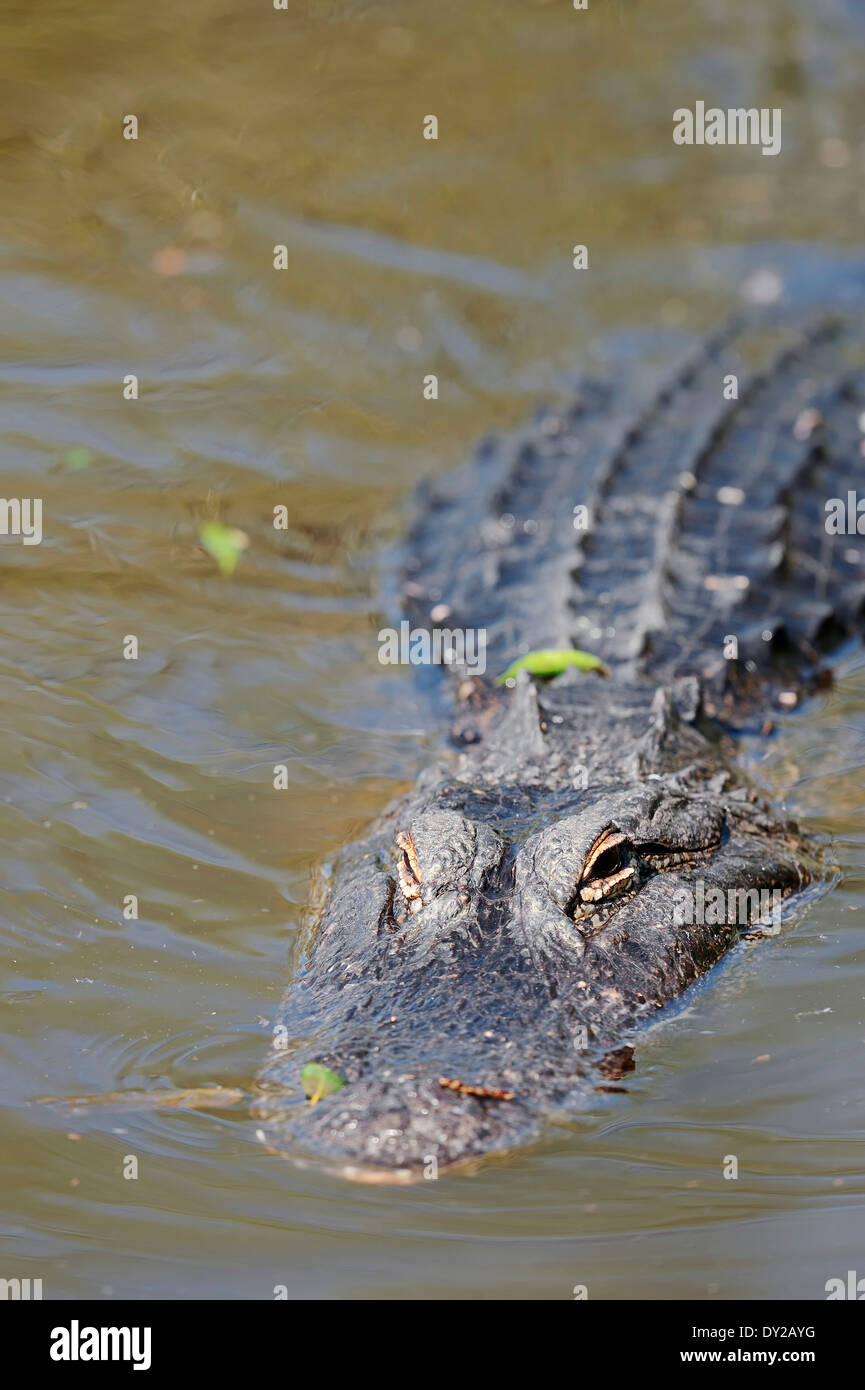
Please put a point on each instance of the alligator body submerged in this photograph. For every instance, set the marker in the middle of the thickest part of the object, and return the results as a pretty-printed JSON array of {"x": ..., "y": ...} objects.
[{"x": 509, "y": 925}]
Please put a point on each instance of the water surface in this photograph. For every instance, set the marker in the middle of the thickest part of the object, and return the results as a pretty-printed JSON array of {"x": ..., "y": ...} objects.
[{"x": 302, "y": 388}]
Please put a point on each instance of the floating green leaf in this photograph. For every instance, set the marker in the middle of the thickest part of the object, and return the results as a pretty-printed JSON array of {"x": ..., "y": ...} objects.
[
  {"x": 550, "y": 662},
  {"x": 77, "y": 458},
  {"x": 318, "y": 1081},
  {"x": 224, "y": 543}
]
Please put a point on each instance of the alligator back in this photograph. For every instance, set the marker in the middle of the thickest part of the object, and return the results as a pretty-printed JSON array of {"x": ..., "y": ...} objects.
[{"x": 709, "y": 531}]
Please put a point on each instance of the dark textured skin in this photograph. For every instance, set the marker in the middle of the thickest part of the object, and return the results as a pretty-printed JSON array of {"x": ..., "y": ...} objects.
[{"x": 506, "y": 978}]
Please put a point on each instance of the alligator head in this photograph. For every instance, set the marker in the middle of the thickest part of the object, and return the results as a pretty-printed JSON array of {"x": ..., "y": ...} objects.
[{"x": 484, "y": 958}]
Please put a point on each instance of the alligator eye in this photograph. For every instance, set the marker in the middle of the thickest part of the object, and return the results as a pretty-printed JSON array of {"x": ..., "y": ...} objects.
[
  {"x": 605, "y": 856},
  {"x": 606, "y": 872},
  {"x": 409, "y": 871},
  {"x": 607, "y": 863}
]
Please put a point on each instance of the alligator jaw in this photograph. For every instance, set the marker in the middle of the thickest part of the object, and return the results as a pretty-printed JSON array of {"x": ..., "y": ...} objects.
[{"x": 396, "y": 1129}]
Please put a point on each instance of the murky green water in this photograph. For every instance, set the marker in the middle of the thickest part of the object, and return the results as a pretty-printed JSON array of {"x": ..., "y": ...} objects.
[{"x": 302, "y": 388}]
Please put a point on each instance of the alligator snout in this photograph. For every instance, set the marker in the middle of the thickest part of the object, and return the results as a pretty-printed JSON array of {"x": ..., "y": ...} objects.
[{"x": 398, "y": 1128}]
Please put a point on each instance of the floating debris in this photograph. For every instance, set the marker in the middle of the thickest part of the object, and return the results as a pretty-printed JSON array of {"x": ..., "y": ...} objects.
[
  {"x": 614, "y": 1064},
  {"x": 77, "y": 458},
  {"x": 224, "y": 543},
  {"x": 168, "y": 261},
  {"x": 481, "y": 1092},
  {"x": 195, "y": 1098}
]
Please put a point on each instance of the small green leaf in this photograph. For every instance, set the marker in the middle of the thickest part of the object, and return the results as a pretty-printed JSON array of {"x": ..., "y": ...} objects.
[
  {"x": 224, "y": 543},
  {"x": 550, "y": 662},
  {"x": 318, "y": 1081},
  {"x": 77, "y": 458}
]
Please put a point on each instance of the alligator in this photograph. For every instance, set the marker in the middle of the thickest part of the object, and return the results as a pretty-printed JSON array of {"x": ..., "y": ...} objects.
[{"x": 487, "y": 955}]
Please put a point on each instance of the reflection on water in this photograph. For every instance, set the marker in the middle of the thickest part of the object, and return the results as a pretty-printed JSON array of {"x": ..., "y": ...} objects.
[{"x": 303, "y": 388}]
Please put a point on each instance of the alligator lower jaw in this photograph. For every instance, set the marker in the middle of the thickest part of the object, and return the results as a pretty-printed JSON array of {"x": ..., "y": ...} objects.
[
  {"x": 375, "y": 1176},
  {"x": 351, "y": 1172}
]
